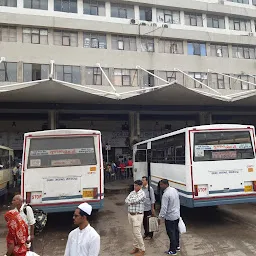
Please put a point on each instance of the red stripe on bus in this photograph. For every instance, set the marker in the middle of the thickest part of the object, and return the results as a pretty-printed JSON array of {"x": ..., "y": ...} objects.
[
  {"x": 62, "y": 135},
  {"x": 191, "y": 168},
  {"x": 223, "y": 129},
  {"x": 23, "y": 167},
  {"x": 100, "y": 149}
]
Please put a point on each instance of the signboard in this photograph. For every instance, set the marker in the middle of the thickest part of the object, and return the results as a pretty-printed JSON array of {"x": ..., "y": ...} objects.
[{"x": 108, "y": 147}]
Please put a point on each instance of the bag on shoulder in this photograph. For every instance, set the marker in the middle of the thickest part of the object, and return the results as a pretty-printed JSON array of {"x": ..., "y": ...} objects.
[{"x": 40, "y": 218}]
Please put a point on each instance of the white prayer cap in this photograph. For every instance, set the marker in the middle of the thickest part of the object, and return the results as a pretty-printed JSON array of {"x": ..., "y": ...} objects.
[{"x": 85, "y": 208}]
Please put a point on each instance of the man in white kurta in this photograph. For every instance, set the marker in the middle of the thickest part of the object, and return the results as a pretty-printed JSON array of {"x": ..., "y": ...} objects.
[{"x": 84, "y": 240}]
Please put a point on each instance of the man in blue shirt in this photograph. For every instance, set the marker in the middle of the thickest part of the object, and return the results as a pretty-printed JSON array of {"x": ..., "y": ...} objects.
[{"x": 170, "y": 212}]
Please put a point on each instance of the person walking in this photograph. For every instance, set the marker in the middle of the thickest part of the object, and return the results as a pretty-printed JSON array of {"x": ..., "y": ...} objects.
[
  {"x": 27, "y": 215},
  {"x": 135, "y": 201},
  {"x": 170, "y": 212},
  {"x": 149, "y": 206},
  {"x": 84, "y": 240},
  {"x": 17, "y": 235}
]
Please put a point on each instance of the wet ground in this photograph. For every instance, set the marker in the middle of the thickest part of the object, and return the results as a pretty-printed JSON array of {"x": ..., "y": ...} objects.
[{"x": 226, "y": 230}]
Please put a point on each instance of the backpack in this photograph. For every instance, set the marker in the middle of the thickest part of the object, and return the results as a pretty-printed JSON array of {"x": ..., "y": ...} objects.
[{"x": 40, "y": 218}]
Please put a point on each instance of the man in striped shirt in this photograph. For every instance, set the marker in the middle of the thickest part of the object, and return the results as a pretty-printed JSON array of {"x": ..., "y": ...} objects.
[{"x": 135, "y": 201}]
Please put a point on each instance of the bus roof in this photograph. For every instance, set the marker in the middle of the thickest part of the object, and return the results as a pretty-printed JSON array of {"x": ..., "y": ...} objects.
[
  {"x": 6, "y": 148},
  {"x": 62, "y": 132},
  {"x": 199, "y": 128}
]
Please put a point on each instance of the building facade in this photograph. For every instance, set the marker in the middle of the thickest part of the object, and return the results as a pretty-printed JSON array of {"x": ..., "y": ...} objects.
[{"x": 199, "y": 44}]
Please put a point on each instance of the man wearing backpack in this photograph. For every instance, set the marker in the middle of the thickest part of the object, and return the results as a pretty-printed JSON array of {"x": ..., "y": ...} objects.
[{"x": 27, "y": 215}]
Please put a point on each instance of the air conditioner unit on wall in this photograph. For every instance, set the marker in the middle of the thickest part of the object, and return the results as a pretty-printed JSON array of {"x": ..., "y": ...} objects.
[{"x": 133, "y": 22}]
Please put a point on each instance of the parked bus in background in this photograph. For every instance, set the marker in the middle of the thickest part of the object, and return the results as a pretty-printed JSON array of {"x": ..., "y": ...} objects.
[
  {"x": 61, "y": 169},
  {"x": 6, "y": 166},
  {"x": 209, "y": 165}
]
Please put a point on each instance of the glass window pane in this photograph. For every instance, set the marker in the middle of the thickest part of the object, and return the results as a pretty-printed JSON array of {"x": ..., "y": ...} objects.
[
  {"x": 67, "y": 69},
  {"x": 27, "y": 3},
  {"x": 27, "y": 72},
  {"x": 35, "y": 39},
  {"x": 76, "y": 75},
  {"x": 203, "y": 49},
  {"x": 57, "y": 5},
  {"x": 12, "y": 72},
  {"x": 73, "y": 6},
  {"x": 59, "y": 72},
  {"x": 44, "y": 4},
  {"x": 44, "y": 71}
]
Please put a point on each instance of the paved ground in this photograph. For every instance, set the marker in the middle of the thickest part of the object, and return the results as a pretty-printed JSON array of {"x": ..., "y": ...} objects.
[{"x": 228, "y": 231}]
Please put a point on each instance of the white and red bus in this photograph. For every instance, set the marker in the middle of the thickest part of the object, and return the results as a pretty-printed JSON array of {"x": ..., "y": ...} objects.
[
  {"x": 62, "y": 168},
  {"x": 209, "y": 165}
]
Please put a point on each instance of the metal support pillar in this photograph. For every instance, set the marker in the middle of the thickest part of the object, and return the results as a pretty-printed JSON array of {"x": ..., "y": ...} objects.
[
  {"x": 52, "y": 119},
  {"x": 205, "y": 118},
  {"x": 134, "y": 126}
]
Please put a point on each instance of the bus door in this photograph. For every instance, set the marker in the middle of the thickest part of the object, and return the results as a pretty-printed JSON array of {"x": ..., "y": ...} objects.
[{"x": 140, "y": 164}]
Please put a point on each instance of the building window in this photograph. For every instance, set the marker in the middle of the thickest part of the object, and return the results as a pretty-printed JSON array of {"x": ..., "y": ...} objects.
[
  {"x": 126, "y": 43},
  {"x": 168, "y": 16},
  {"x": 254, "y": 2},
  {"x": 8, "y": 34},
  {"x": 146, "y": 13},
  {"x": 239, "y": 1},
  {"x": 170, "y": 76},
  {"x": 69, "y": 74},
  {"x": 148, "y": 80},
  {"x": 201, "y": 77},
  {"x": 197, "y": 49},
  {"x": 243, "y": 52},
  {"x": 219, "y": 50},
  {"x": 168, "y": 46},
  {"x": 240, "y": 24},
  {"x": 65, "y": 38},
  {"x": 9, "y": 3},
  {"x": 95, "y": 41},
  {"x": 192, "y": 19},
  {"x": 215, "y": 22},
  {"x": 34, "y": 72},
  {"x": 94, "y": 76},
  {"x": 122, "y": 11},
  {"x": 35, "y": 35},
  {"x": 219, "y": 81},
  {"x": 147, "y": 45},
  {"x": 8, "y": 72},
  {"x": 36, "y": 4},
  {"x": 92, "y": 7},
  {"x": 125, "y": 77},
  {"x": 243, "y": 85},
  {"x": 65, "y": 6}
]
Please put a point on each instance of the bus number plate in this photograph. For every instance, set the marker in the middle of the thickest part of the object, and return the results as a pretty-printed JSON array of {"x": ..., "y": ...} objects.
[
  {"x": 88, "y": 193},
  {"x": 248, "y": 188}
]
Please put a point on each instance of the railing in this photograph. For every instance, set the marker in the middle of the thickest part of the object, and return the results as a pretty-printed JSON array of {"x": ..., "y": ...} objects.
[{"x": 118, "y": 174}]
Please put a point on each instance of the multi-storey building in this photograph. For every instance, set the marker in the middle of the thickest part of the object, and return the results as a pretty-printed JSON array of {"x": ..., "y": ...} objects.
[{"x": 199, "y": 44}]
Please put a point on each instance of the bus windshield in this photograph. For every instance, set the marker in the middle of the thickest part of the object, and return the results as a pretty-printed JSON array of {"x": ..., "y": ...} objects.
[
  {"x": 61, "y": 151},
  {"x": 222, "y": 145}
]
